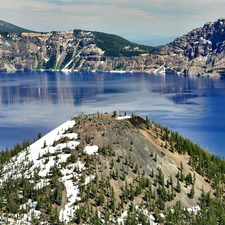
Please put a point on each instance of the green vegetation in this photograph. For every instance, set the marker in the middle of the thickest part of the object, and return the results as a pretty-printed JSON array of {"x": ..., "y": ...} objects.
[
  {"x": 115, "y": 46},
  {"x": 6, "y": 28},
  {"x": 39, "y": 65},
  {"x": 67, "y": 59},
  {"x": 76, "y": 32},
  {"x": 50, "y": 64},
  {"x": 207, "y": 165},
  {"x": 7, "y": 154}
]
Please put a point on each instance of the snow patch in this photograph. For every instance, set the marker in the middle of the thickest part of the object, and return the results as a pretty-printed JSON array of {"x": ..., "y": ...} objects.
[
  {"x": 91, "y": 150},
  {"x": 123, "y": 117}
]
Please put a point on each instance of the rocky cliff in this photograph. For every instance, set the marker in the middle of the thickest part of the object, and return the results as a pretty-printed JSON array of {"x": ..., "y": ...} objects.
[
  {"x": 72, "y": 50},
  {"x": 200, "y": 52}
]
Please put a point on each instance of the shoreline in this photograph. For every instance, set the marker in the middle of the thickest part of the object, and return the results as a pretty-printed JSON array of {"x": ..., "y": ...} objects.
[{"x": 68, "y": 71}]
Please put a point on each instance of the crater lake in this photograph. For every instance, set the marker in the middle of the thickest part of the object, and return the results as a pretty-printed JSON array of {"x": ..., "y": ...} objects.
[{"x": 37, "y": 102}]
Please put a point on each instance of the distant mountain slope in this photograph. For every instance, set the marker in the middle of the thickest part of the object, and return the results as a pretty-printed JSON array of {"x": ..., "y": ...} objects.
[
  {"x": 10, "y": 28},
  {"x": 114, "y": 45},
  {"x": 199, "y": 52},
  {"x": 71, "y": 50}
]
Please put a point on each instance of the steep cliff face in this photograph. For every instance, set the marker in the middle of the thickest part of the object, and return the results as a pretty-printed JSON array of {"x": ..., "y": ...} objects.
[
  {"x": 200, "y": 52},
  {"x": 72, "y": 50},
  {"x": 56, "y": 50}
]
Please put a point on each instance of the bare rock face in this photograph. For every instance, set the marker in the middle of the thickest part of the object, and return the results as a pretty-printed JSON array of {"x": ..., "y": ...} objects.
[
  {"x": 200, "y": 52},
  {"x": 56, "y": 50},
  {"x": 72, "y": 50}
]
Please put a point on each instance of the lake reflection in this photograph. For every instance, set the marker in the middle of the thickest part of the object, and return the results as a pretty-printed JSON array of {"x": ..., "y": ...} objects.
[{"x": 39, "y": 101}]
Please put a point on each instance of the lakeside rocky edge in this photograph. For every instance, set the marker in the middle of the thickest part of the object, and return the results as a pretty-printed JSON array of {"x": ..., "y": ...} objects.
[
  {"x": 199, "y": 52},
  {"x": 112, "y": 169}
]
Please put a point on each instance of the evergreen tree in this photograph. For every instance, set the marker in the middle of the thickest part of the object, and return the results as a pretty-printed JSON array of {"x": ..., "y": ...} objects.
[
  {"x": 178, "y": 187},
  {"x": 192, "y": 192}
]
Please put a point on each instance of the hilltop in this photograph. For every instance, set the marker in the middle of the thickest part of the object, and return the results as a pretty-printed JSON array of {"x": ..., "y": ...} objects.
[
  {"x": 199, "y": 52},
  {"x": 111, "y": 169},
  {"x": 10, "y": 28}
]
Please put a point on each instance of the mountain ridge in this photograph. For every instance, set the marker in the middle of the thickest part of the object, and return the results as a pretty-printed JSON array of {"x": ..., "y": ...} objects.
[
  {"x": 199, "y": 52},
  {"x": 6, "y": 27}
]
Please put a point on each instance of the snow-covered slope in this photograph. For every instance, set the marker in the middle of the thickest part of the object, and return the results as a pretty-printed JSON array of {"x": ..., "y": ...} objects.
[{"x": 41, "y": 156}]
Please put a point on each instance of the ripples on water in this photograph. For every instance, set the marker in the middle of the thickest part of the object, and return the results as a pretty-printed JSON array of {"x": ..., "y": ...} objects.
[{"x": 37, "y": 102}]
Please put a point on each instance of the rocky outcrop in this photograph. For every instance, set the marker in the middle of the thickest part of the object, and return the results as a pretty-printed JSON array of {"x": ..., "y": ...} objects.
[{"x": 200, "y": 52}]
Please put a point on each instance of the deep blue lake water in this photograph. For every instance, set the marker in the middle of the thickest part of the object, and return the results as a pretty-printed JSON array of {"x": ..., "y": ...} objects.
[{"x": 37, "y": 102}]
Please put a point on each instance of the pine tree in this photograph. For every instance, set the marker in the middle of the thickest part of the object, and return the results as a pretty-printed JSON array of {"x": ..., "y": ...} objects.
[
  {"x": 78, "y": 215},
  {"x": 188, "y": 179},
  {"x": 152, "y": 173},
  {"x": 147, "y": 120},
  {"x": 192, "y": 192},
  {"x": 161, "y": 177},
  {"x": 123, "y": 175},
  {"x": 117, "y": 174},
  {"x": 155, "y": 158},
  {"x": 101, "y": 199},
  {"x": 178, "y": 186},
  {"x": 106, "y": 217}
]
